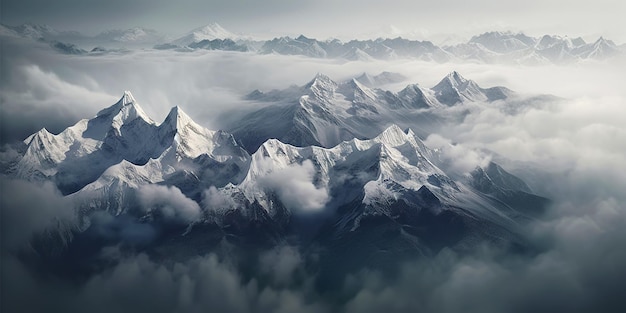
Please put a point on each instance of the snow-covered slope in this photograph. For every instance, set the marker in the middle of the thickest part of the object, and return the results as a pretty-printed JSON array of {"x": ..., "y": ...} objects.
[
  {"x": 454, "y": 89},
  {"x": 296, "y": 46},
  {"x": 511, "y": 47},
  {"x": 392, "y": 155},
  {"x": 381, "y": 79},
  {"x": 325, "y": 113},
  {"x": 135, "y": 35},
  {"x": 391, "y": 185},
  {"x": 503, "y": 42},
  {"x": 80, "y": 153},
  {"x": 207, "y": 32},
  {"x": 124, "y": 136},
  {"x": 489, "y": 47},
  {"x": 357, "y": 50},
  {"x": 356, "y": 54},
  {"x": 390, "y": 180},
  {"x": 601, "y": 49}
]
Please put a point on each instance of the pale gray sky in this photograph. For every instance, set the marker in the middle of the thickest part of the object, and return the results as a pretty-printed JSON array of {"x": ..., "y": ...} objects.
[{"x": 328, "y": 18}]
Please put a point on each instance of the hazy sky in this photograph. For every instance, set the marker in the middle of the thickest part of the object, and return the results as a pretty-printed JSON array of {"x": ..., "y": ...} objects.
[{"x": 326, "y": 18}]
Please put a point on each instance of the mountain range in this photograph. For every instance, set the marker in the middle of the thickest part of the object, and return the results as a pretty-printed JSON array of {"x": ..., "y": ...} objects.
[
  {"x": 325, "y": 113},
  {"x": 132, "y": 37},
  {"x": 490, "y": 47},
  {"x": 334, "y": 170},
  {"x": 208, "y": 32}
]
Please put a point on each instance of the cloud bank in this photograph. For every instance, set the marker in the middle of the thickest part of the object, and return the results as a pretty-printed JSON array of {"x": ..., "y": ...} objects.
[{"x": 570, "y": 150}]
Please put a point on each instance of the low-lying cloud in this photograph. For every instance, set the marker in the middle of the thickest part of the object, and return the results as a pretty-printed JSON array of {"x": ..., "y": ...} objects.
[
  {"x": 120, "y": 229},
  {"x": 294, "y": 186},
  {"x": 456, "y": 157},
  {"x": 570, "y": 150},
  {"x": 213, "y": 199},
  {"x": 28, "y": 209},
  {"x": 140, "y": 284},
  {"x": 577, "y": 143},
  {"x": 169, "y": 201}
]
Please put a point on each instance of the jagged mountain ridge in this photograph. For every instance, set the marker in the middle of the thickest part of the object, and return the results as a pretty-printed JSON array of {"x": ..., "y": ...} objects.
[
  {"x": 508, "y": 46},
  {"x": 325, "y": 113},
  {"x": 499, "y": 47},
  {"x": 209, "y": 32},
  {"x": 123, "y": 132},
  {"x": 131, "y": 35},
  {"x": 454, "y": 89},
  {"x": 492, "y": 47},
  {"x": 392, "y": 180}
]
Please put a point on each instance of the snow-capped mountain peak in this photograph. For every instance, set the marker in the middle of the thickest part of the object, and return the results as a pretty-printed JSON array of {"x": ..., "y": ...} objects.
[
  {"x": 604, "y": 42},
  {"x": 502, "y": 42},
  {"x": 127, "y": 98},
  {"x": 321, "y": 80},
  {"x": 190, "y": 139},
  {"x": 356, "y": 54},
  {"x": 178, "y": 119},
  {"x": 455, "y": 79},
  {"x": 207, "y": 32},
  {"x": 38, "y": 133},
  {"x": 454, "y": 88},
  {"x": 358, "y": 92},
  {"x": 122, "y": 148},
  {"x": 357, "y": 84},
  {"x": 322, "y": 86},
  {"x": 366, "y": 79},
  {"x": 452, "y": 80},
  {"x": 600, "y": 49},
  {"x": 212, "y": 29},
  {"x": 415, "y": 97},
  {"x": 383, "y": 78},
  {"x": 547, "y": 41},
  {"x": 394, "y": 136},
  {"x": 125, "y": 110}
]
